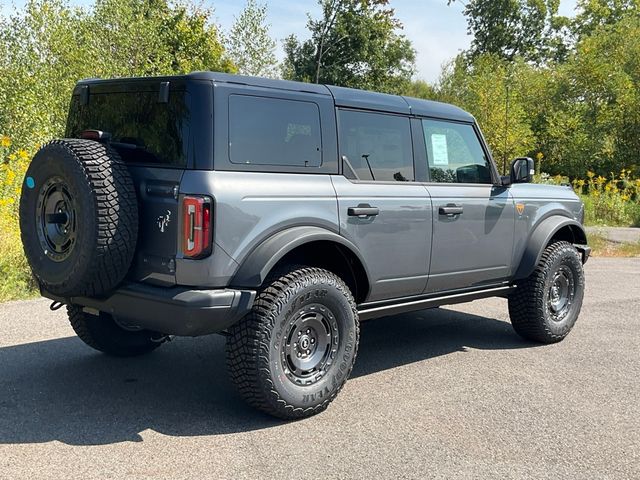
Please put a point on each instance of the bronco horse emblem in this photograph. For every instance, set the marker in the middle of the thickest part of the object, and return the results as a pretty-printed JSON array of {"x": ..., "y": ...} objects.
[{"x": 163, "y": 221}]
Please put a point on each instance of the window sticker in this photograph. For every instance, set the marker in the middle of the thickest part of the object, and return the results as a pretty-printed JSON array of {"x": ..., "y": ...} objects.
[{"x": 439, "y": 147}]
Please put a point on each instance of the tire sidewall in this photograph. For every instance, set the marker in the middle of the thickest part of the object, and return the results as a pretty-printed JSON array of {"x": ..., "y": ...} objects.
[
  {"x": 325, "y": 294},
  {"x": 57, "y": 161},
  {"x": 567, "y": 256}
]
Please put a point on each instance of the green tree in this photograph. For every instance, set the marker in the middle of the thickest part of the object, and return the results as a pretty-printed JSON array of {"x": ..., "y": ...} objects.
[
  {"x": 492, "y": 89},
  {"x": 421, "y": 89},
  {"x": 596, "y": 116},
  {"x": 47, "y": 46},
  {"x": 249, "y": 44},
  {"x": 597, "y": 13},
  {"x": 530, "y": 29},
  {"x": 355, "y": 43}
]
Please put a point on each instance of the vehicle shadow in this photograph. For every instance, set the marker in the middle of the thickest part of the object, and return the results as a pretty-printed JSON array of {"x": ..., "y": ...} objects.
[{"x": 61, "y": 390}]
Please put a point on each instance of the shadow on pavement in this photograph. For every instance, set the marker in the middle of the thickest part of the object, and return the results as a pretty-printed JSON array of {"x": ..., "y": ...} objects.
[{"x": 61, "y": 390}]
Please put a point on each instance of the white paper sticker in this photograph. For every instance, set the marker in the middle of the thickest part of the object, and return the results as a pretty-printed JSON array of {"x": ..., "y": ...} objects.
[{"x": 439, "y": 147}]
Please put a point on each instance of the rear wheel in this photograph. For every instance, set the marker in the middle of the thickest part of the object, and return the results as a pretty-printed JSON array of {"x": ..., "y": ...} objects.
[
  {"x": 103, "y": 333},
  {"x": 545, "y": 307},
  {"x": 293, "y": 353}
]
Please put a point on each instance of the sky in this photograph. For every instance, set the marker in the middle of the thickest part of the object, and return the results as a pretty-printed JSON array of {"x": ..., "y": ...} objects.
[{"x": 438, "y": 32}]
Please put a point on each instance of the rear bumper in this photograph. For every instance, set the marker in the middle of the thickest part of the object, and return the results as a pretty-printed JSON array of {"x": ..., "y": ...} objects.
[{"x": 172, "y": 311}]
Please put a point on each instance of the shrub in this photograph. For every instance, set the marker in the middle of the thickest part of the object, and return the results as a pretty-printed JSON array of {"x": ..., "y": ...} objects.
[{"x": 17, "y": 281}]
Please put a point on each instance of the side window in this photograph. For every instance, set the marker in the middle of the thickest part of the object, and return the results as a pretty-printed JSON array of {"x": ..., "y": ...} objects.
[
  {"x": 378, "y": 146},
  {"x": 454, "y": 153},
  {"x": 274, "y": 131}
]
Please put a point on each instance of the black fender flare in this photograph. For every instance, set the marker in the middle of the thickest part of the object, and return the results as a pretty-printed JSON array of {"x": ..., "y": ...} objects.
[
  {"x": 541, "y": 237},
  {"x": 259, "y": 262}
]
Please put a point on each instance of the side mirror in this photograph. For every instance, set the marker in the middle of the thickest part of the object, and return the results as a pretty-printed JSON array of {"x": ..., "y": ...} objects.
[{"x": 522, "y": 170}]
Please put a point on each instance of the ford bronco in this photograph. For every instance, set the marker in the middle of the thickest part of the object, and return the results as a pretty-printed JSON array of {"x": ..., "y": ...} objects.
[{"x": 281, "y": 214}]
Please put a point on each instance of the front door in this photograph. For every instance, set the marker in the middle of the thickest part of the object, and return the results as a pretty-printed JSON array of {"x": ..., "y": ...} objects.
[
  {"x": 382, "y": 210},
  {"x": 473, "y": 219}
]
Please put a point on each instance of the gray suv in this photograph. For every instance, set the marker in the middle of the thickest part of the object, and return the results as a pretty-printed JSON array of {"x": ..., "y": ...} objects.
[{"x": 281, "y": 214}]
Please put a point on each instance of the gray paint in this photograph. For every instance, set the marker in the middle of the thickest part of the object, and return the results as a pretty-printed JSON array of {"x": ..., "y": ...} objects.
[
  {"x": 474, "y": 247},
  {"x": 261, "y": 212},
  {"x": 396, "y": 243},
  {"x": 249, "y": 209}
]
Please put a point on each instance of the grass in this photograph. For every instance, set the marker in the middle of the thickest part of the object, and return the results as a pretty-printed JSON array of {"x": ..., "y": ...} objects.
[
  {"x": 17, "y": 282},
  {"x": 602, "y": 247}
]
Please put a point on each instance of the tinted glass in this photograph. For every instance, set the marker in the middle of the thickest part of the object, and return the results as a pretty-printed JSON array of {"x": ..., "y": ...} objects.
[
  {"x": 273, "y": 131},
  {"x": 142, "y": 129},
  {"x": 377, "y": 146},
  {"x": 454, "y": 153}
]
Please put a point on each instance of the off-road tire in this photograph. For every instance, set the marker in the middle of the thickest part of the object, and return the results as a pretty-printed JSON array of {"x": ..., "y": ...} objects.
[
  {"x": 529, "y": 308},
  {"x": 91, "y": 180},
  {"x": 102, "y": 333},
  {"x": 256, "y": 345}
]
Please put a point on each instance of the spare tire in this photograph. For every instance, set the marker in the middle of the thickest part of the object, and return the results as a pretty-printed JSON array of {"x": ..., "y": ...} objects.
[{"x": 78, "y": 217}]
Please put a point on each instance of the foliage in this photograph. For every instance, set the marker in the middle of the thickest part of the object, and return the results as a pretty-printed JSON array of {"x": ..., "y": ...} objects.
[
  {"x": 612, "y": 201},
  {"x": 356, "y": 44},
  {"x": 494, "y": 91},
  {"x": 599, "y": 13},
  {"x": 17, "y": 281},
  {"x": 49, "y": 46},
  {"x": 249, "y": 44},
  {"x": 510, "y": 29}
]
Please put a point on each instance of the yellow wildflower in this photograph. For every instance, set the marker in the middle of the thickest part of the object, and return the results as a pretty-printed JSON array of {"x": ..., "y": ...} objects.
[
  {"x": 11, "y": 176},
  {"x": 590, "y": 174},
  {"x": 5, "y": 141},
  {"x": 22, "y": 154},
  {"x": 624, "y": 198}
]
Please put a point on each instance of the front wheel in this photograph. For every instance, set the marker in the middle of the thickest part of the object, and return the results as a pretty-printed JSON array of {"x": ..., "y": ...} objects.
[
  {"x": 293, "y": 353},
  {"x": 545, "y": 307}
]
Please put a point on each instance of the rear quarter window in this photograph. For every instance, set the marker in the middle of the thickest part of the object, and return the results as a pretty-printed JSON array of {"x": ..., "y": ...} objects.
[
  {"x": 143, "y": 130},
  {"x": 274, "y": 131}
]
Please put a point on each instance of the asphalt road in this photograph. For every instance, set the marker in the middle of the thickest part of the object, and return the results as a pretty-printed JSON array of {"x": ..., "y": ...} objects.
[{"x": 443, "y": 393}]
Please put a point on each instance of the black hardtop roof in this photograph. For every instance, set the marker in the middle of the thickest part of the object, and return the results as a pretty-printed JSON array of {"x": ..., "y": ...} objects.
[{"x": 343, "y": 97}]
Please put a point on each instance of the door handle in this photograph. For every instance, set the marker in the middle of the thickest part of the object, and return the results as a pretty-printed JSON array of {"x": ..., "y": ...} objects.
[
  {"x": 450, "y": 209},
  {"x": 363, "y": 211}
]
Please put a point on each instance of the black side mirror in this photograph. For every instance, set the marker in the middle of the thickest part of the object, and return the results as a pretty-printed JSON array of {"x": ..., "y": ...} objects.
[{"x": 522, "y": 170}]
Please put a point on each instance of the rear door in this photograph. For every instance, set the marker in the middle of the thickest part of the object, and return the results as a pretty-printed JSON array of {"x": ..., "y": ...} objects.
[
  {"x": 149, "y": 125},
  {"x": 473, "y": 219},
  {"x": 382, "y": 210}
]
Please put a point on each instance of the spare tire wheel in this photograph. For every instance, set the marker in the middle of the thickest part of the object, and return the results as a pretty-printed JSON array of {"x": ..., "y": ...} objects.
[{"x": 78, "y": 217}]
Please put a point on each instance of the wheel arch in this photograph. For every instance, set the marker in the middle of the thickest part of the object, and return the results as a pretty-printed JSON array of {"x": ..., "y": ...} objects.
[
  {"x": 310, "y": 246},
  {"x": 551, "y": 229}
]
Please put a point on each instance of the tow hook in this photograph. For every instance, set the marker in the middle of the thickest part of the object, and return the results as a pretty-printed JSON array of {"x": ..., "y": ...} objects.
[{"x": 56, "y": 305}]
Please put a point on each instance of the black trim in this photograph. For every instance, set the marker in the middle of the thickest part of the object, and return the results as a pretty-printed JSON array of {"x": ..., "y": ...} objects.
[{"x": 367, "y": 311}]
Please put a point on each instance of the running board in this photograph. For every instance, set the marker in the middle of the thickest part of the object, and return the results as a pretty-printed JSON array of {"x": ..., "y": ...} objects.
[{"x": 367, "y": 312}]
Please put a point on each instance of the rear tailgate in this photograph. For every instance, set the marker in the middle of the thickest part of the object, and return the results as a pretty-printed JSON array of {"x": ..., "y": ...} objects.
[
  {"x": 157, "y": 190},
  {"x": 148, "y": 122}
]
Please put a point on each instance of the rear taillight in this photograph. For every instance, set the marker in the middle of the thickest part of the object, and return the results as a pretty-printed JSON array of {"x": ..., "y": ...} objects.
[{"x": 197, "y": 219}]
